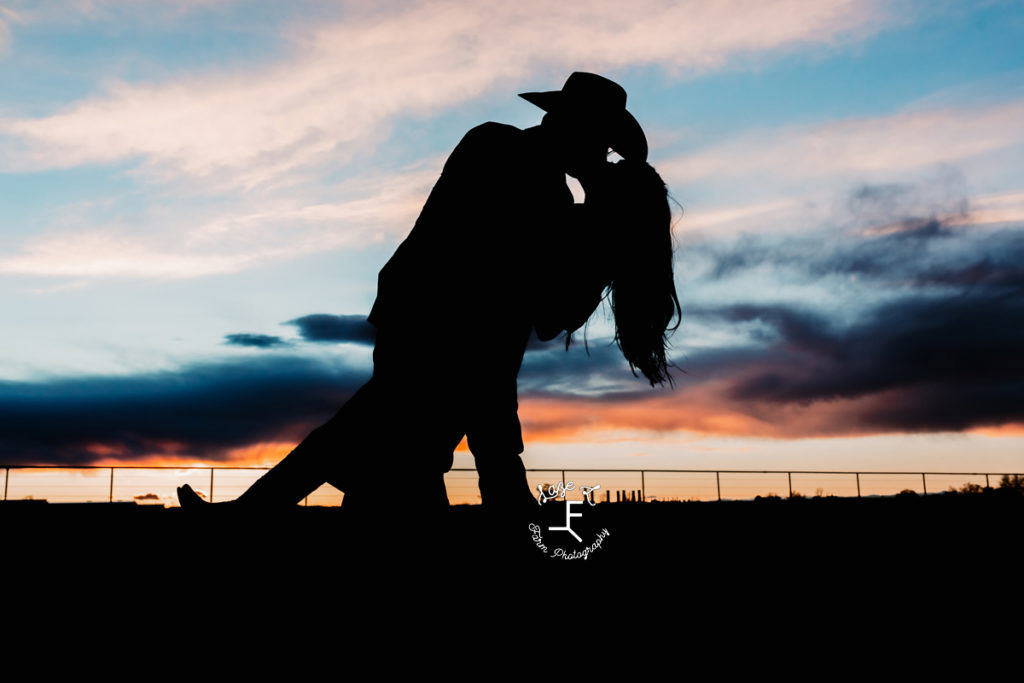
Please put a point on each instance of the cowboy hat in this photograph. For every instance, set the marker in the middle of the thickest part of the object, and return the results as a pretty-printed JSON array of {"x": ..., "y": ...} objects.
[{"x": 605, "y": 101}]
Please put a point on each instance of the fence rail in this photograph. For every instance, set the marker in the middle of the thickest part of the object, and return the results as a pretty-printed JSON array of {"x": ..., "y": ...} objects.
[{"x": 639, "y": 482}]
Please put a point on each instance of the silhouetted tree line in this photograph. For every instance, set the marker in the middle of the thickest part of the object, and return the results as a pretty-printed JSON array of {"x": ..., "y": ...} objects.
[{"x": 1009, "y": 485}]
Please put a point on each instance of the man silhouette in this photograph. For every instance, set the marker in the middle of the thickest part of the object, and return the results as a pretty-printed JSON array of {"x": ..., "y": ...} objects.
[{"x": 491, "y": 257}]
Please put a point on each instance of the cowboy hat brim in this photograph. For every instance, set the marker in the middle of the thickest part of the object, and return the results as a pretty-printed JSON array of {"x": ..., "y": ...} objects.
[{"x": 625, "y": 136}]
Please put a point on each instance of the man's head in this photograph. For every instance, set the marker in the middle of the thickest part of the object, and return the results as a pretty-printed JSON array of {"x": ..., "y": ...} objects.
[
  {"x": 587, "y": 116},
  {"x": 581, "y": 146}
]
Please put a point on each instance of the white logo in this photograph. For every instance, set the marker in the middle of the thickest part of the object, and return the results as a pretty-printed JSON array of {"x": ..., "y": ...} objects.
[{"x": 556, "y": 492}]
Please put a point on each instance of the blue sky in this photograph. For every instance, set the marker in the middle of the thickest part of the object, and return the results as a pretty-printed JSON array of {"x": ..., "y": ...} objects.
[{"x": 176, "y": 173}]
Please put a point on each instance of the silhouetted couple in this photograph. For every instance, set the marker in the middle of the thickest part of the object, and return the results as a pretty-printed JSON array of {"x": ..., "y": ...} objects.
[{"x": 499, "y": 249}]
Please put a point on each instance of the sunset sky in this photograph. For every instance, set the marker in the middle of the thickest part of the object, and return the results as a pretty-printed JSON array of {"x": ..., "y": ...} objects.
[{"x": 197, "y": 196}]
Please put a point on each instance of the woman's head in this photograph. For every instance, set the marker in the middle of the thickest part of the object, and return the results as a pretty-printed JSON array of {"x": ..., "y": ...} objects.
[{"x": 642, "y": 289}]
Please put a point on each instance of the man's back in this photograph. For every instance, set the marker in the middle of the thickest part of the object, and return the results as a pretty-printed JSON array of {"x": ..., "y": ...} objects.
[
  {"x": 465, "y": 263},
  {"x": 452, "y": 310}
]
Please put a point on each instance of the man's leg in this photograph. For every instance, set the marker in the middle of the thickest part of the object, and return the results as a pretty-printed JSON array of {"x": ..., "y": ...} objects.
[
  {"x": 495, "y": 438},
  {"x": 503, "y": 482},
  {"x": 411, "y": 444},
  {"x": 496, "y": 445}
]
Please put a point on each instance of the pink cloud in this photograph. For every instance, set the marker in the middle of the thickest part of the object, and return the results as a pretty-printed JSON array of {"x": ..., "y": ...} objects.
[
  {"x": 346, "y": 81},
  {"x": 876, "y": 145}
]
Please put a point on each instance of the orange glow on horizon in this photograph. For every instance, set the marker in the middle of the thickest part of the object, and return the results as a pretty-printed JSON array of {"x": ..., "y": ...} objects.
[
  {"x": 703, "y": 410},
  {"x": 1013, "y": 429},
  {"x": 263, "y": 454},
  {"x": 708, "y": 410}
]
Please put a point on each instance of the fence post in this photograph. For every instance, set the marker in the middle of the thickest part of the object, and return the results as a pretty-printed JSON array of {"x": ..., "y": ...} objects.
[
  {"x": 111, "y": 498},
  {"x": 858, "y": 483},
  {"x": 9, "y": 474},
  {"x": 718, "y": 485},
  {"x": 789, "y": 475},
  {"x": 643, "y": 488},
  {"x": 211, "y": 484},
  {"x": 7, "y": 478},
  {"x": 924, "y": 484}
]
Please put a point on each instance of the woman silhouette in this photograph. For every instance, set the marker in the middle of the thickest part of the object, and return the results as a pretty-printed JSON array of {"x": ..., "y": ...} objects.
[{"x": 428, "y": 391}]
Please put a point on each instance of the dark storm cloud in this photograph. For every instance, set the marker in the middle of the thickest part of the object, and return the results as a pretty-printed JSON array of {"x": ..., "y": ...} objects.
[
  {"x": 324, "y": 327},
  {"x": 595, "y": 369},
  {"x": 207, "y": 407},
  {"x": 1002, "y": 267},
  {"x": 261, "y": 341},
  {"x": 948, "y": 362},
  {"x": 551, "y": 371},
  {"x": 942, "y": 351},
  {"x": 911, "y": 206},
  {"x": 890, "y": 233},
  {"x": 909, "y": 248},
  {"x": 803, "y": 328}
]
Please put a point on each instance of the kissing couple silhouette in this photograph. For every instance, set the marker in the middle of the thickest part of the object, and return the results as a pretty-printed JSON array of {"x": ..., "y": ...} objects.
[{"x": 499, "y": 250}]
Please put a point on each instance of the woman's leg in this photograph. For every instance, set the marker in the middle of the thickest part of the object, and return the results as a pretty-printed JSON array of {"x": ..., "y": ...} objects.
[
  {"x": 326, "y": 455},
  {"x": 387, "y": 447}
]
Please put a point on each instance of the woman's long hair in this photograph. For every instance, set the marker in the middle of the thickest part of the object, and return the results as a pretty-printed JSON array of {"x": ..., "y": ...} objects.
[{"x": 642, "y": 289}]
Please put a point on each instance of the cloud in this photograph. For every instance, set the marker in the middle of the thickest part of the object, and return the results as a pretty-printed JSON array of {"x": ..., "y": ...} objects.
[
  {"x": 201, "y": 411},
  {"x": 261, "y": 341},
  {"x": 59, "y": 11},
  {"x": 324, "y": 327},
  {"x": 5, "y": 32},
  {"x": 855, "y": 147},
  {"x": 348, "y": 80},
  {"x": 937, "y": 350},
  {"x": 890, "y": 235},
  {"x": 336, "y": 94},
  {"x": 954, "y": 342},
  {"x": 374, "y": 208},
  {"x": 920, "y": 362},
  {"x": 599, "y": 369},
  {"x": 928, "y": 340},
  {"x": 917, "y": 364}
]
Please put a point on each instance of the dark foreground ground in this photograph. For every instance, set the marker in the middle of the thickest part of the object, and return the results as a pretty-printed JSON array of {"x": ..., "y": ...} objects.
[
  {"x": 712, "y": 568},
  {"x": 820, "y": 540},
  {"x": 870, "y": 574}
]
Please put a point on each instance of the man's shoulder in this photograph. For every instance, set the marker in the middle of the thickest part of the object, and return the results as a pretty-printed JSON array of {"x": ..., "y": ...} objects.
[
  {"x": 490, "y": 136},
  {"x": 495, "y": 130},
  {"x": 488, "y": 147}
]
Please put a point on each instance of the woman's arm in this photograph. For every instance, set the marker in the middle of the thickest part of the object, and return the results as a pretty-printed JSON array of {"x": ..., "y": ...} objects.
[{"x": 573, "y": 274}]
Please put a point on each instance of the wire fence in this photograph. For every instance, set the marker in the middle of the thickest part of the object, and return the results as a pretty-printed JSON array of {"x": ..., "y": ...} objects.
[{"x": 157, "y": 485}]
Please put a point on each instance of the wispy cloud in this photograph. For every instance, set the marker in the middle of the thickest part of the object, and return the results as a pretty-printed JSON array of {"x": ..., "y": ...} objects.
[
  {"x": 347, "y": 80},
  {"x": 49, "y": 11},
  {"x": 282, "y": 128},
  {"x": 383, "y": 205},
  {"x": 380, "y": 206},
  {"x": 884, "y": 144},
  {"x": 6, "y": 16}
]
